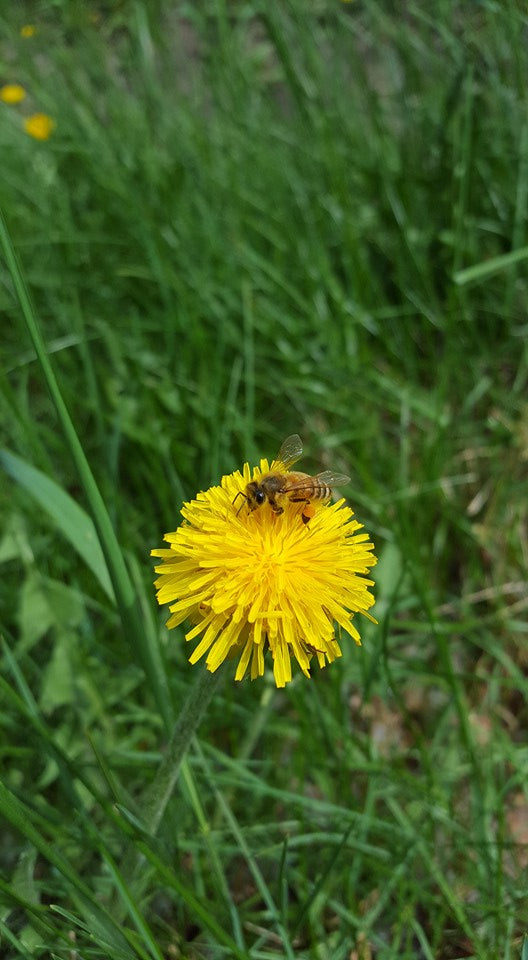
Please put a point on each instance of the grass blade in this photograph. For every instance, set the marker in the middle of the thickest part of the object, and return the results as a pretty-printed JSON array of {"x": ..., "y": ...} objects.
[
  {"x": 481, "y": 271},
  {"x": 19, "y": 815},
  {"x": 127, "y": 604}
]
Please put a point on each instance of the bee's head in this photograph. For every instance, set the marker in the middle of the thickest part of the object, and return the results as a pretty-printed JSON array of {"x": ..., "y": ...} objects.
[{"x": 255, "y": 495}]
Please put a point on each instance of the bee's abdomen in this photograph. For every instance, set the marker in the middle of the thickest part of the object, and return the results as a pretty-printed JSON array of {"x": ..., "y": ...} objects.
[{"x": 321, "y": 493}]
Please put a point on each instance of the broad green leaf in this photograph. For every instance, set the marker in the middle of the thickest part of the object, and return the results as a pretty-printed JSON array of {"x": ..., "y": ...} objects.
[
  {"x": 35, "y": 616},
  {"x": 68, "y": 516},
  {"x": 9, "y": 548},
  {"x": 66, "y": 603},
  {"x": 57, "y": 682},
  {"x": 524, "y": 953},
  {"x": 23, "y": 879}
]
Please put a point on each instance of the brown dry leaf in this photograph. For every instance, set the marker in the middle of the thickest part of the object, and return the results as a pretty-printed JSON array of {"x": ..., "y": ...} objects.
[
  {"x": 482, "y": 727},
  {"x": 415, "y": 697},
  {"x": 369, "y": 902},
  {"x": 362, "y": 950},
  {"x": 387, "y": 730},
  {"x": 517, "y": 823}
]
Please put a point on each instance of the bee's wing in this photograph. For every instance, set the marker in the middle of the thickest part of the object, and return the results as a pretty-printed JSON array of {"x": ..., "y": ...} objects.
[
  {"x": 297, "y": 482},
  {"x": 290, "y": 451},
  {"x": 328, "y": 478}
]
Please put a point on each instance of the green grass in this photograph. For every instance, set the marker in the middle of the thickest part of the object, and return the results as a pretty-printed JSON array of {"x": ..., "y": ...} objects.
[{"x": 255, "y": 219}]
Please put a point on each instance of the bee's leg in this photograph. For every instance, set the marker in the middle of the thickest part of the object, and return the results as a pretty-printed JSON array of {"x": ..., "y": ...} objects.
[
  {"x": 274, "y": 505},
  {"x": 307, "y": 511},
  {"x": 239, "y": 494}
]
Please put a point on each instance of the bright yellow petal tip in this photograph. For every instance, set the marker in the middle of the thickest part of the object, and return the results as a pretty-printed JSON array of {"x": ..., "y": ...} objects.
[
  {"x": 39, "y": 125},
  {"x": 253, "y": 581},
  {"x": 12, "y": 93},
  {"x": 28, "y": 30}
]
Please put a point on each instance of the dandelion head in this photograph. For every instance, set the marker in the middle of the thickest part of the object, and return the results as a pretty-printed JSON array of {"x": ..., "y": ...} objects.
[
  {"x": 28, "y": 30},
  {"x": 39, "y": 126},
  {"x": 12, "y": 93},
  {"x": 253, "y": 581}
]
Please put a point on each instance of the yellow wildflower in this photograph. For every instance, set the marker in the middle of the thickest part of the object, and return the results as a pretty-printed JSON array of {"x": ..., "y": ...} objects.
[
  {"x": 252, "y": 580},
  {"x": 39, "y": 125},
  {"x": 12, "y": 93},
  {"x": 28, "y": 30}
]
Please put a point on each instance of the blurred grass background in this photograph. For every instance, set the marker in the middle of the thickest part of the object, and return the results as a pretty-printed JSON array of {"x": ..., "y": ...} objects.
[{"x": 253, "y": 219}]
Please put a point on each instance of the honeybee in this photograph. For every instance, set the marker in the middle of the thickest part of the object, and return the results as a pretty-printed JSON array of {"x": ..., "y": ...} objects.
[{"x": 281, "y": 482}]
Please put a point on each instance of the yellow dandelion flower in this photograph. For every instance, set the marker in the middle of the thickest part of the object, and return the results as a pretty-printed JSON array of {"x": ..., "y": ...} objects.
[
  {"x": 279, "y": 577},
  {"x": 28, "y": 30},
  {"x": 12, "y": 93},
  {"x": 39, "y": 125}
]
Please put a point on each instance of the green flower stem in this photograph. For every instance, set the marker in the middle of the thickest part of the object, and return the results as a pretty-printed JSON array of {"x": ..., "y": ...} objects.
[
  {"x": 129, "y": 612},
  {"x": 154, "y": 802},
  {"x": 158, "y": 794}
]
